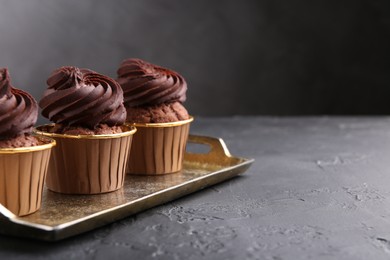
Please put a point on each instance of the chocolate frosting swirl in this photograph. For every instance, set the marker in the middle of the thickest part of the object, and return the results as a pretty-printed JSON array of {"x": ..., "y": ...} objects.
[
  {"x": 146, "y": 84},
  {"x": 18, "y": 109},
  {"x": 82, "y": 97}
]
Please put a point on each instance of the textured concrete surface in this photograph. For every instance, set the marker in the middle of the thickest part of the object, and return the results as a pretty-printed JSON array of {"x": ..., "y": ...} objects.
[{"x": 319, "y": 189}]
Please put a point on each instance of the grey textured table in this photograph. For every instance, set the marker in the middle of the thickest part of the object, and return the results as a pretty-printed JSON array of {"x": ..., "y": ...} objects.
[{"x": 319, "y": 189}]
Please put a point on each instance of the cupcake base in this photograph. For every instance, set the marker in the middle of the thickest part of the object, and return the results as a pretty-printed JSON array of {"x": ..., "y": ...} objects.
[
  {"x": 22, "y": 174},
  {"x": 158, "y": 148},
  {"x": 88, "y": 164}
]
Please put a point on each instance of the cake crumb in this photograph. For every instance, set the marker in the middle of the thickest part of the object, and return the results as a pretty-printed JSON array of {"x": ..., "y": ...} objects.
[{"x": 23, "y": 140}]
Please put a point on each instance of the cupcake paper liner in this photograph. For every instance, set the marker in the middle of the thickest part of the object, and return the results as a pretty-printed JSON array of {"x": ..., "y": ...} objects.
[
  {"x": 22, "y": 175},
  {"x": 158, "y": 148},
  {"x": 88, "y": 164}
]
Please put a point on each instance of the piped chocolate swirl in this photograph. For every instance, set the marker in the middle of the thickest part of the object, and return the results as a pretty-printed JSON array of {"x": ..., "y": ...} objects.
[
  {"x": 147, "y": 84},
  {"x": 82, "y": 97},
  {"x": 18, "y": 109}
]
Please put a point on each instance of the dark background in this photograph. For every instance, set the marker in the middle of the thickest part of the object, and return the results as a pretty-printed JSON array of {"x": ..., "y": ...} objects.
[{"x": 249, "y": 57}]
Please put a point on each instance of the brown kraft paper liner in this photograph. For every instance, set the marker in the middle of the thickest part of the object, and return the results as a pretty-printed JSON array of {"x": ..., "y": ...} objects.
[
  {"x": 158, "y": 149},
  {"x": 89, "y": 165},
  {"x": 22, "y": 177}
]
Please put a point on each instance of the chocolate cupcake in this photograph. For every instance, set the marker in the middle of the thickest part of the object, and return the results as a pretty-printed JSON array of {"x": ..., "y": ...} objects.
[
  {"x": 23, "y": 157},
  {"x": 93, "y": 143},
  {"x": 153, "y": 98}
]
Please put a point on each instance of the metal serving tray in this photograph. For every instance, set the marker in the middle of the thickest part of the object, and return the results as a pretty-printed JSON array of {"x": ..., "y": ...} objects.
[{"x": 62, "y": 216}]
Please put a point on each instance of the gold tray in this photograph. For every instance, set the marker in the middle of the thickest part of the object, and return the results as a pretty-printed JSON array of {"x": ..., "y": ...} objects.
[{"x": 62, "y": 216}]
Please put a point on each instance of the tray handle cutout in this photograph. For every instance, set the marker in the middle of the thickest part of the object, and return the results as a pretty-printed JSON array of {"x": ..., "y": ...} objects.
[{"x": 217, "y": 149}]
